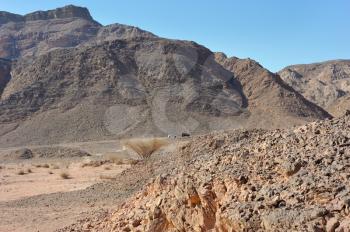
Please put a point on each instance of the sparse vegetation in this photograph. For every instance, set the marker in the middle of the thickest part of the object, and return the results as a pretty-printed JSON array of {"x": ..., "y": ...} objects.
[
  {"x": 105, "y": 177},
  {"x": 145, "y": 147},
  {"x": 94, "y": 163},
  {"x": 45, "y": 166},
  {"x": 21, "y": 172},
  {"x": 65, "y": 175},
  {"x": 50, "y": 172},
  {"x": 29, "y": 170},
  {"x": 37, "y": 165},
  {"x": 55, "y": 166}
]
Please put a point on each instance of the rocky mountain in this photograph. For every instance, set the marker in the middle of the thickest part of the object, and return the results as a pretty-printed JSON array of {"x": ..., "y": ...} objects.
[
  {"x": 72, "y": 79},
  {"x": 326, "y": 84},
  {"x": 244, "y": 180},
  {"x": 268, "y": 96},
  {"x": 70, "y": 26}
]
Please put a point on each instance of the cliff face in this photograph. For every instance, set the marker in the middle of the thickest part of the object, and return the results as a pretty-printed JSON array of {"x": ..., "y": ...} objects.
[{"x": 326, "y": 84}]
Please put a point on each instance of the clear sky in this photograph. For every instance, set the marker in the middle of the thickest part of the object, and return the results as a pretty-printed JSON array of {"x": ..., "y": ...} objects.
[{"x": 276, "y": 33}]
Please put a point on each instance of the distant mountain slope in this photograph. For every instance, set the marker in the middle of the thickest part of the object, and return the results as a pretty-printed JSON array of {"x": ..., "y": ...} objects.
[
  {"x": 74, "y": 80},
  {"x": 69, "y": 26},
  {"x": 326, "y": 84},
  {"x": 267, "y": 95}
]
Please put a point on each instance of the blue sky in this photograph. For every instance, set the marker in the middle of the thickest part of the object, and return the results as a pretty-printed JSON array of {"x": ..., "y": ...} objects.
[{"x": 276, "y": 33}]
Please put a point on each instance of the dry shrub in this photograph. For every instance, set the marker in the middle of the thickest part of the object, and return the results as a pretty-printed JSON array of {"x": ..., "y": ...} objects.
[
  {"x": 54, "y": 166},
  {"x": 29, "y": 170},
  {"x": 105, "y": 177},
  {"x": 21, "y": 172},
  {"x": 37, "y": 165},
  {"x": 50, "y": 172},
  {"x": 65, "y": 175},
  {"x": 45, "y": 166},
  {"x": 145, "y": 147},
  {"x": 94, "y": 163}
]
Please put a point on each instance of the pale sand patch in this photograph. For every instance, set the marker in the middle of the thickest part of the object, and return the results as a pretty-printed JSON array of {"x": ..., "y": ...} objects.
[{"x": 14, "y": 186}]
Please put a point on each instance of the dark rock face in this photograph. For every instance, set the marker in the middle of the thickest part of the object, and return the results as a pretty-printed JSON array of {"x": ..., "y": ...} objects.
[{"x": 5, "y": 68}]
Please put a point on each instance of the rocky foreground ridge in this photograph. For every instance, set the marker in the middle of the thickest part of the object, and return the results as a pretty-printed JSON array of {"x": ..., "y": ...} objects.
[{"x": 247, "y": 180}]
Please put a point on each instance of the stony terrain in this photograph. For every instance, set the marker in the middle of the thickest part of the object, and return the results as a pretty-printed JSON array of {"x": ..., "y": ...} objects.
[
  {"x": 326, "y": 84},
  {"x": 246, "y": 180}
]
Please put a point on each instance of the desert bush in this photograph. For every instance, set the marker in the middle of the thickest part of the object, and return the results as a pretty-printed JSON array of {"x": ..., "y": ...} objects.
[
  {"x": 54, "y": 166},
  {"x": 29, "y": 170},
  {"x": 145, "y": 147},
  {"x": 45, "y": 166},
  {"x": 94, "y": 163},
  {"x": 37, "y": 165},
  {"x": 50, "y": 172},
  {"x": 21, "y": 172},
  {"x": 105, "y": 177},
  {"x": 65, "y": 175}
]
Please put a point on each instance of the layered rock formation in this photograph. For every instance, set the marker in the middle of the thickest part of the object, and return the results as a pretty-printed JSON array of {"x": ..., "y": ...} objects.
[
  {"x": 247, "y": 180},
  {"x": 326, "y": 84}
]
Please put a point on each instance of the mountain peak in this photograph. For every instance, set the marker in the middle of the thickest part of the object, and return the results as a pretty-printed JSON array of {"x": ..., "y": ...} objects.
[{"x": 69, "y": 11}]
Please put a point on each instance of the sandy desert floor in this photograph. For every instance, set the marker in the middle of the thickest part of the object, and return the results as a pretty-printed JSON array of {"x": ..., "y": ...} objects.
[{"x": 36, "y": 196}]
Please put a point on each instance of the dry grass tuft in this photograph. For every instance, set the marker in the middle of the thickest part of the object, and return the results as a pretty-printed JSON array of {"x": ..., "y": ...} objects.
[
  {"x": 45, "y": 166},
  {"x": 37, "y": 165},
  {"x": 65, "y": 175},
  {"x": 21, "y": 172},
  {"x": 145, "y": 147},
  {"x": 50, "y": 172},
  {"x": 29, "y": 170},
  {"x": 105, "y": 177},
  {"x": 94, "y": 163},
  {"x": 54, "y": 166}
]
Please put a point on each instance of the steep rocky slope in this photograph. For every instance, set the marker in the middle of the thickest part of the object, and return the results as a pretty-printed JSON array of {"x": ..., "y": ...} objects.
[
  {"x": 5, "y": 68},
  {"x": 326, "y": 84},
  {"x": 246, "y": 180},
  {"x": 73, "y": 80},
  {"x": 116, "y": 88},
  {"x": 267, "y": 95}
]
